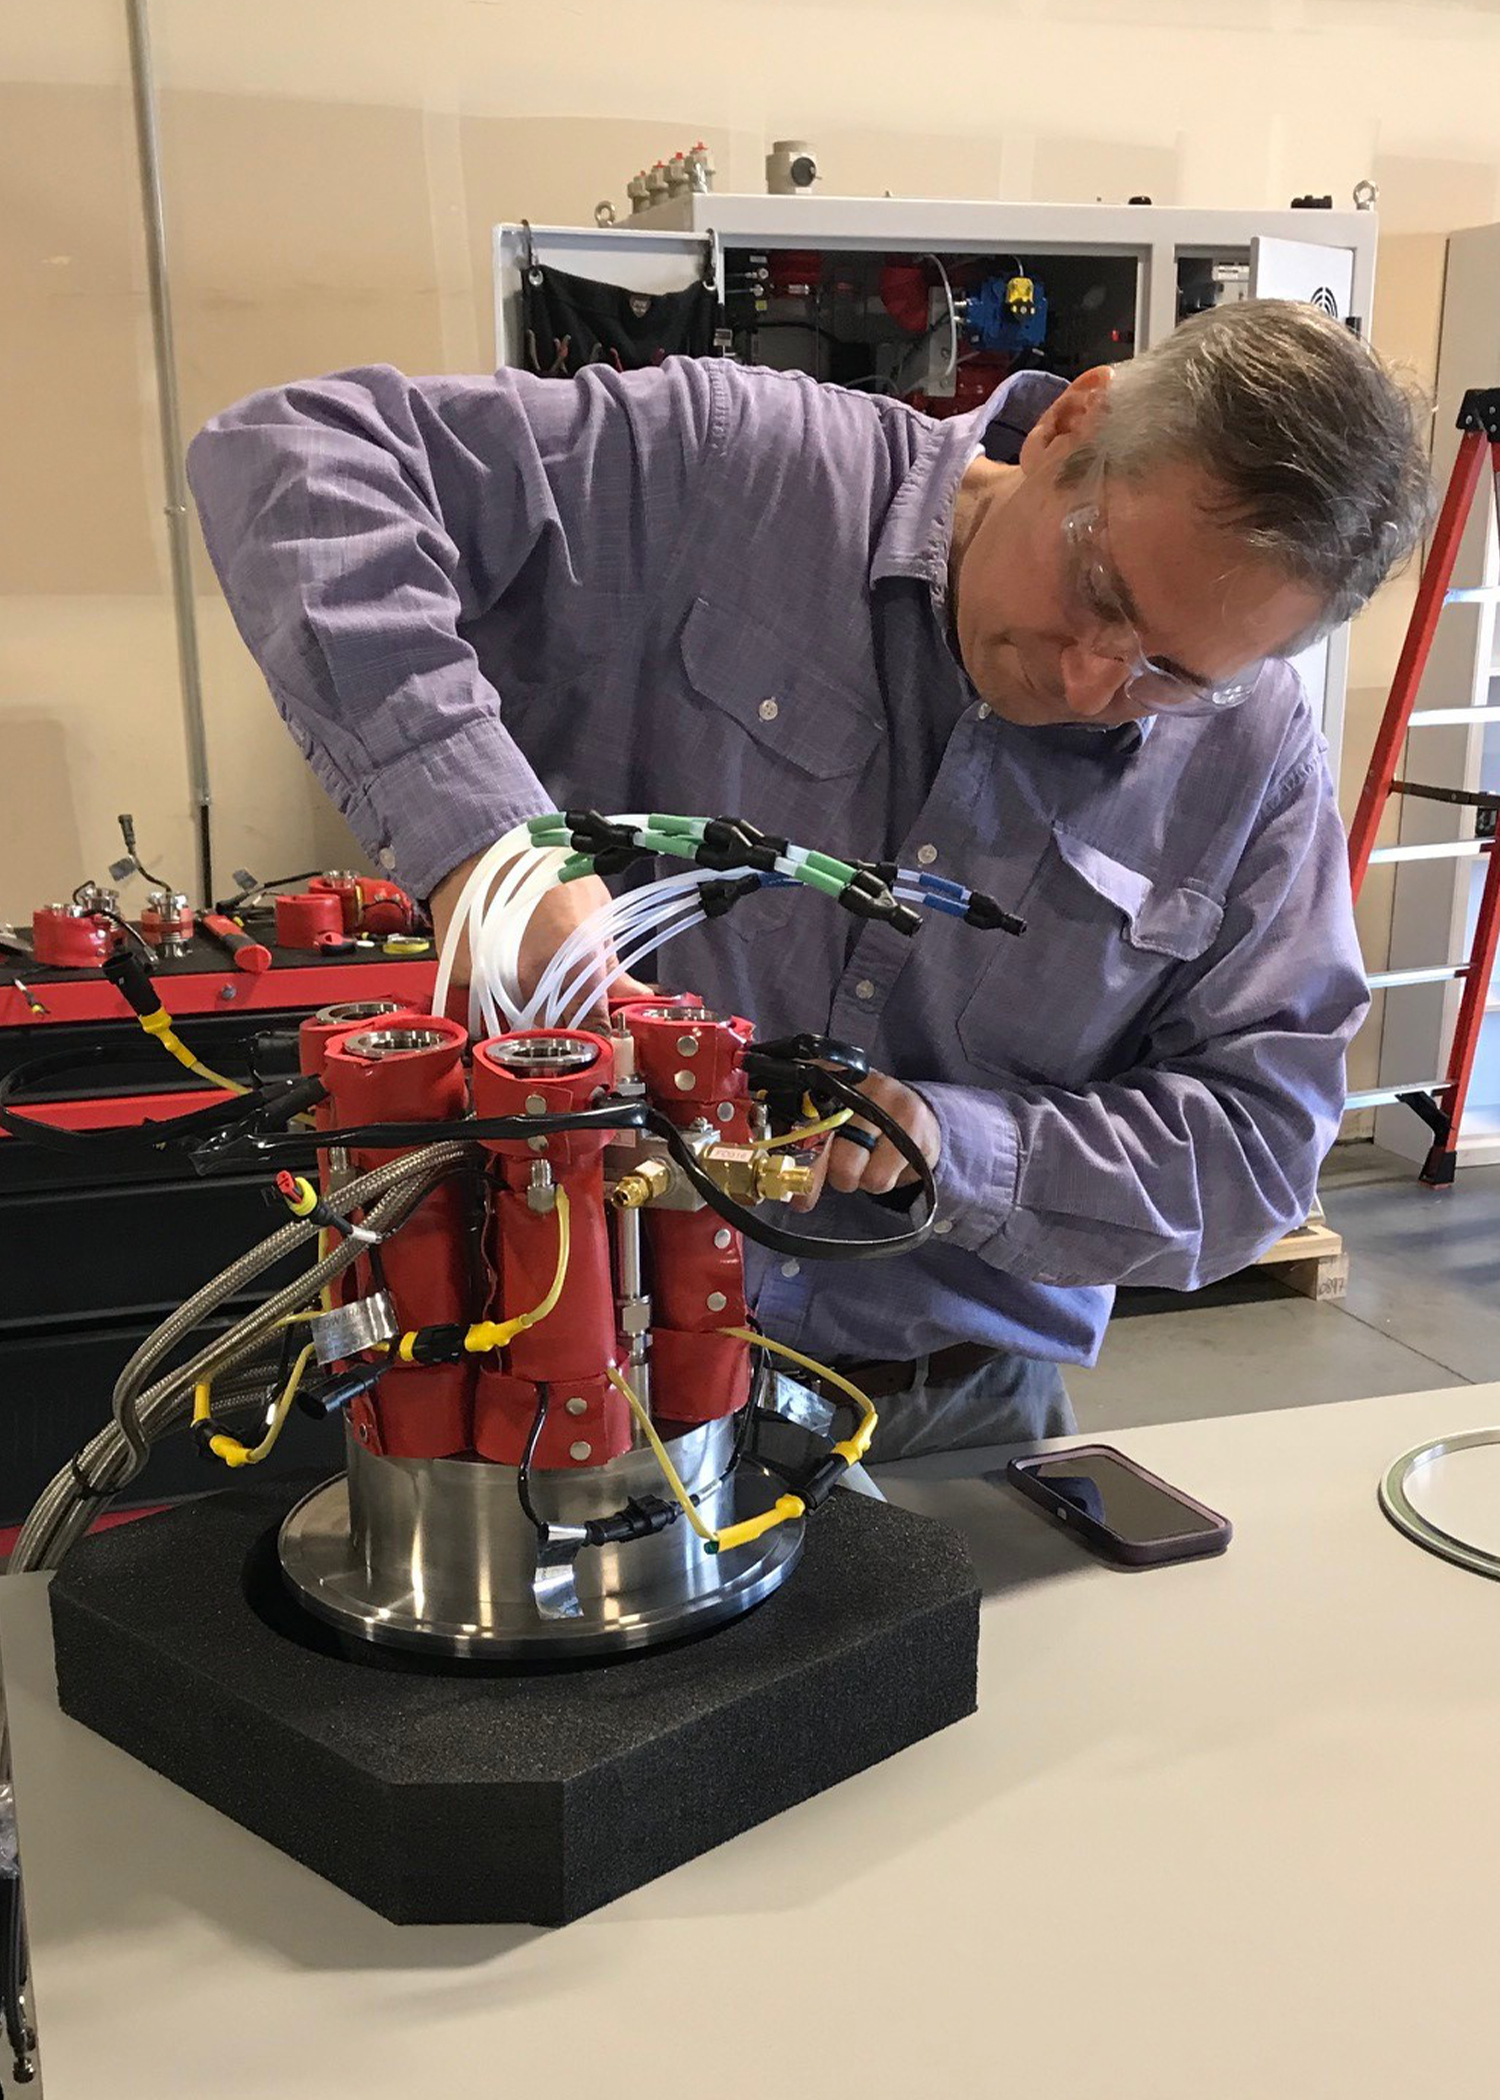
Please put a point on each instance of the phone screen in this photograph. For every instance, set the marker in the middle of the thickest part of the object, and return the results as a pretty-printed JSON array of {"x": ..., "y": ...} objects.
[{"x": 1135, "y": 1510}]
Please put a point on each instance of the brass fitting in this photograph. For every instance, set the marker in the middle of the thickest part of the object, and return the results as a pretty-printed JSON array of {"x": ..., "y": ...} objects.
[
  {"x": 757, "y": 1177},
  {"x": 643, "y": 1184}
]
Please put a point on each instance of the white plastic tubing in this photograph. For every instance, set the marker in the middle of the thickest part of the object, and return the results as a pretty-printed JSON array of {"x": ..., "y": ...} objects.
[{"x": 495, "y": 908}]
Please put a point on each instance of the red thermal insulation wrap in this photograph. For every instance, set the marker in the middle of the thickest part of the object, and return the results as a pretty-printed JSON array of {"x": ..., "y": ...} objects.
[
  {"x": 570, "y": 1351},
  {"x": 417, "y": 1410},
  {"x": 324, "y": 1027},
  {"x": 366, "y": 903},
  {"x": 174, "y": 926},
  {"x": 691, "y": 1063},
  {"x": 303, "y": 915},
  {"x": 65, "y": 940}
]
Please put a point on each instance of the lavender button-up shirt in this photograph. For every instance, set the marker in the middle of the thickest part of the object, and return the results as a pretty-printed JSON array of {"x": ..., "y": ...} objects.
[{"x": 706, "y": 588}]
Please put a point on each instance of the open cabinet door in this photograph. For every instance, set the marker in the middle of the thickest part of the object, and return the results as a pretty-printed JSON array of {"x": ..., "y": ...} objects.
[
  {"x": 1324, "y": 277},
  {"x": 636, "y": 261}
]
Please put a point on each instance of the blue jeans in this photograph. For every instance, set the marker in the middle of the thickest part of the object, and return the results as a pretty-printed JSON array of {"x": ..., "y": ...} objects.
[{"x": 1009, "y": 1400}]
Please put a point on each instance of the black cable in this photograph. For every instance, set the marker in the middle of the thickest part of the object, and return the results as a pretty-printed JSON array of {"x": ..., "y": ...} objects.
[
  {"x": 127, "y": 833},
  {"x": 278, "y": 882},
  {"x": 609, "y": 1114},
  {"x": 13, "y": 1972},
  {"x": 285, "y": 1097},
  {"x": 132, "y": 934},
  {"x": 805, "y": 1245},
  {"x": 523, "y": 1476}
]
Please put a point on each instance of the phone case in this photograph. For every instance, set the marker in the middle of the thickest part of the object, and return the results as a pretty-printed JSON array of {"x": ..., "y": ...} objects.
[{"x": 1125, "y": 1553}]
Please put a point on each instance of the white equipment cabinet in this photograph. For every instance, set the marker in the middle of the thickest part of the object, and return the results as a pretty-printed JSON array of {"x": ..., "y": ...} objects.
[
  {"x": 1437, "y": 899},
  {"x": 1117, "y": 278}
]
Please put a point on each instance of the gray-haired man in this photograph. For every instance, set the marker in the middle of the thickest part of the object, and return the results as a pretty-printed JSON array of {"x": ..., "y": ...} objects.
[{"x": 1059, "y": 678}]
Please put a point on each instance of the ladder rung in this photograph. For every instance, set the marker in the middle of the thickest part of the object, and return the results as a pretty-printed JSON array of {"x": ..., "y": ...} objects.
[
  {"x": 1450, "y": 717},
  {"x": 1379, "y": 1096},
  {"x": 1445, "y": 849},
  {"x": 1387, "y": 980},
  {"x": 1473, "y": 594},
  {"x": 1456, "y": 798}
]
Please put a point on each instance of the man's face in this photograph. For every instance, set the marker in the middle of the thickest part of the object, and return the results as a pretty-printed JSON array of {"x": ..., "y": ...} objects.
[{"x": 1028, "y": 634}]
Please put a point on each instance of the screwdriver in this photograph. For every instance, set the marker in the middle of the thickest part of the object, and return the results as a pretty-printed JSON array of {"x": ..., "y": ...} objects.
[{"x": 246, "y": 954}]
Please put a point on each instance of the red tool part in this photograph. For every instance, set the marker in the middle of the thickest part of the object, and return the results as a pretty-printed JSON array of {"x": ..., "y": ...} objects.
[
  {"x": 64, "y": 937},
  {"x": 549, "y": 1072},
  {"x": 692, "y": 1063},
  {"x": 305, "y": 914},
  {"x": 408, "y": 1068},
  {"x": 247, "y": 955}
]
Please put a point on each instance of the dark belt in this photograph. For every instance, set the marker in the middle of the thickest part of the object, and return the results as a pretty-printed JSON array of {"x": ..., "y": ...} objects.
[{"x": 943, "y": 1367}]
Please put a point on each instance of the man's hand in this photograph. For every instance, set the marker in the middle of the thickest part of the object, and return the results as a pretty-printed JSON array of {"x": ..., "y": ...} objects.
[
  {"x": 846, "y": 1165},
  {"x": 558, "y": 912}
]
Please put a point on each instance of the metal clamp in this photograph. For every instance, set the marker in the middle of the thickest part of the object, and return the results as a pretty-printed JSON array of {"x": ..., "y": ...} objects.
[{"x": 346, "y": 1330}]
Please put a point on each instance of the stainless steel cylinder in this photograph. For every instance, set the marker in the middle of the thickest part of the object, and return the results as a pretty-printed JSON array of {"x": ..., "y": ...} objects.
[{"x": 439, "y": 1554}]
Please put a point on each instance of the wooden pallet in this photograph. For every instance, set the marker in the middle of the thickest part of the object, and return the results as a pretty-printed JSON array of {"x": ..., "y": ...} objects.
[{"x": 1311, "y": 1260}]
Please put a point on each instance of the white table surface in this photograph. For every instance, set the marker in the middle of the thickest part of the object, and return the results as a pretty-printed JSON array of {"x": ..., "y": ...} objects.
[{"x": 1219, "y": 1832}]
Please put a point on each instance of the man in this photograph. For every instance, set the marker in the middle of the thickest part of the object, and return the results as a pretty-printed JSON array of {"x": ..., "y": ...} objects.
[{"x": 1059, "y": 679}]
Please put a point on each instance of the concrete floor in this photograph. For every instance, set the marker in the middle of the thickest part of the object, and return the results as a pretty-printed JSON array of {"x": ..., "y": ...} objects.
[{"x": 1423, "y": 1310}]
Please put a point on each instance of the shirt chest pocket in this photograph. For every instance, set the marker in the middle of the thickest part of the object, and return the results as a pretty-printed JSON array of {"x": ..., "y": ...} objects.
[
  {"x": 797, "y": 724},
  {"x": 1069, "y": 1001},
  {"x": 783, "y": 745}
]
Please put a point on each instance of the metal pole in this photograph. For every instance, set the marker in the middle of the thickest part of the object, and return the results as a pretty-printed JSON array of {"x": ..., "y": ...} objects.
[{"x": 188, "y": 666}]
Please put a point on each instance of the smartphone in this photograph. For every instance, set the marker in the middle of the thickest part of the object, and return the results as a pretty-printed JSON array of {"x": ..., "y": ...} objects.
[{"x": 1118, "y": 1509}]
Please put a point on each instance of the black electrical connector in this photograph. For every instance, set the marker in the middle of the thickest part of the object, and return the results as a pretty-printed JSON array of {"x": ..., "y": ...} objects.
[
  {"x": 128, "y": 974},
  {"x": 641, "y": 1518},
  {"x": 734, "y": 842},
  {"x": 991, "y": 917},
  {"x": 815, "y": 1489},
  {"x": 611, "y": 847},
  {"x": 326, "y": 1400},
  {"x": 867, "y": 897},
  {"x": 437, "y": 1345},
  {"x": 717, "y": 898}
]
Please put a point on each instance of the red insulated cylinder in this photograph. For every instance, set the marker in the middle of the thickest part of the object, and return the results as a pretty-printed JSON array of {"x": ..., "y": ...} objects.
[
  {"x": 65, "y": 937},
  {"x": 408, "y": 1068},
  {"x": 549, "y": 1072},
  {"x": 341, "y": 884},
  {"x": 367, "y": 903},
  {"x": 325, "y": 1027},
  {"x": 692, "y": 1063},
  {"x": 304, "y": 914}
]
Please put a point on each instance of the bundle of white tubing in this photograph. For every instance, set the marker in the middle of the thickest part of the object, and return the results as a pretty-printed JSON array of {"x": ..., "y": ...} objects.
[{"x": 495, "y": 907}]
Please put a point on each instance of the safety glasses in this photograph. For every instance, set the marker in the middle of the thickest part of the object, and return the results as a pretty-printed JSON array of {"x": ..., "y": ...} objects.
[{"x": 1100, "y": 620}]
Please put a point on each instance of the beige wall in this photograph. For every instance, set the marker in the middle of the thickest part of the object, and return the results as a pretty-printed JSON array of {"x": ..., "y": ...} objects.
[{"x": 332, "y": 170}]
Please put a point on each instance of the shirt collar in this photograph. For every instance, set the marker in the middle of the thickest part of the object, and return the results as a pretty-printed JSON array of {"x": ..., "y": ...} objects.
[
  {"x": 919, "y": 523},
  {"x": 1120, "y": 740}
]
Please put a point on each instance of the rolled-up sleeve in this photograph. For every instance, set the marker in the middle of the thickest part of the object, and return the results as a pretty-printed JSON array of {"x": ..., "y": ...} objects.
[
  {"x": 357, "y": 523},
  {"x": 1196, "y": 1160}
]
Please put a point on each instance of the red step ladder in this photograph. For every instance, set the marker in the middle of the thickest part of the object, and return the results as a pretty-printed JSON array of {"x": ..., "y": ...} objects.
[{"x": 1439, "y": 1102}]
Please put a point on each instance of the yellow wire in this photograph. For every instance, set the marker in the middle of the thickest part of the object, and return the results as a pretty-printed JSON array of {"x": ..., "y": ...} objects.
[
  {"x": 786, "y": 1507},
  {"x": 495, "y": 1334},
  {"x": 663, "y": 1457},
  {"x": 229, "y": 1448},
  {"x": 159, "y": 1025},
  {"x": 806, "y": 1131},
  {"x": 853, "y": 1448}
]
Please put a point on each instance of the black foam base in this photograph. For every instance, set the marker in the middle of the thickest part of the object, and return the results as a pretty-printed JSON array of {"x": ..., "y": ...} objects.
[{"x": 516, "y": 1795}]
